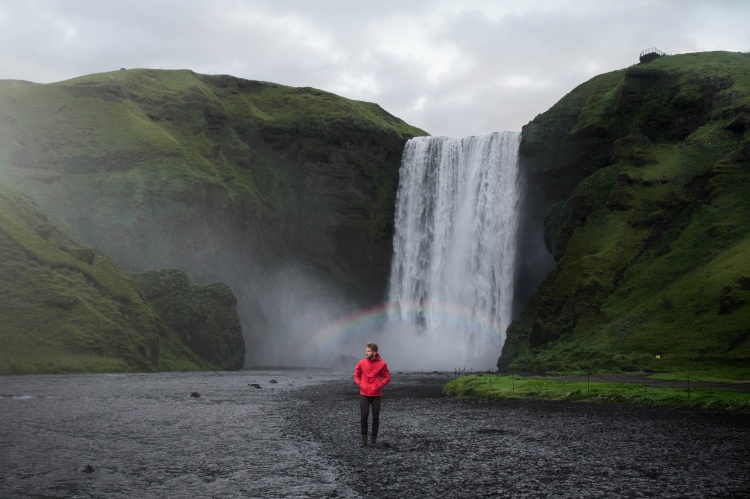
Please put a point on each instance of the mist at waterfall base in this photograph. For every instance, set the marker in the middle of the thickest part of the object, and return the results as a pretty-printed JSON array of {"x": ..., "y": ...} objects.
[{"x": 451, "y": 285}]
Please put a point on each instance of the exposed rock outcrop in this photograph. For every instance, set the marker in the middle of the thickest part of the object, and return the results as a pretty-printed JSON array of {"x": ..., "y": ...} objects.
[
  {"x": 227, "y": 179},
  {"x": 625, "y": 175},
  {"x": 66, "y": 307}
]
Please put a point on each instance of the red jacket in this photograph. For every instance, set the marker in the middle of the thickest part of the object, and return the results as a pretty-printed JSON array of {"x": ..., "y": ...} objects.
[{"x": 371, "y": 376}]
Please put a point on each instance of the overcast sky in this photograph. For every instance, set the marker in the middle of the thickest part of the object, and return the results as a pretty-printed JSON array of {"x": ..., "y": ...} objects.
[{"x": 450, "y": 67}]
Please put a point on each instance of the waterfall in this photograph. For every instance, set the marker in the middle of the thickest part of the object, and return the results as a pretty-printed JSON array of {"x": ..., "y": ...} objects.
[{"x": 454, "y": 246}]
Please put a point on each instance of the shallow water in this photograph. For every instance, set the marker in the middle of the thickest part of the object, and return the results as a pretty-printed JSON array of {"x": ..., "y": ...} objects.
[
  {"x": 144, "y": 435},
  {"x": 293, "y": 433}
]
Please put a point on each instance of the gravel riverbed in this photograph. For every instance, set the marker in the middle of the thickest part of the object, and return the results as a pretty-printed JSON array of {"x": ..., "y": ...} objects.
[
  {"x": 294, "y": 433},
  {"x": 435, "y": 446}
]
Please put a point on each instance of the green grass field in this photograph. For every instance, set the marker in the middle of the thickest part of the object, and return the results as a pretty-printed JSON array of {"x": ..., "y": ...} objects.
[{"x": 493, "y": 387}]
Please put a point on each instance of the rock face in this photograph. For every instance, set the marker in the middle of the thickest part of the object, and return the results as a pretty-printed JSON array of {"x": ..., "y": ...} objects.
[
  {"x": 633, "y": 183},
  {"x": 227, "y": 179},
  {"x": 204, "y": 317},
  {"x": 69, "y": 308}
]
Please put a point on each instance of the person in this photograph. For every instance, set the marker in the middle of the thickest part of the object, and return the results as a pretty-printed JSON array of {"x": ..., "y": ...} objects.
[{"x": 371, "y": 374}]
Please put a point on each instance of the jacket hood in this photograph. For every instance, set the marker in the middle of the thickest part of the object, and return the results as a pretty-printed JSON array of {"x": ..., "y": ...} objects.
[{"x": 377, "y": 357}]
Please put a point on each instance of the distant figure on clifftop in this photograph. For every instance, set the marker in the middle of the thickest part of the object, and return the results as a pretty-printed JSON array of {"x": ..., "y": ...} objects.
[{"x": 371, "y": 374}]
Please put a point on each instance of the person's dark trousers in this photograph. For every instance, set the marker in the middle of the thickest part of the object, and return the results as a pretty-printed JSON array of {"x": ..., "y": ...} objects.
[{"x": 364, "y": 409}]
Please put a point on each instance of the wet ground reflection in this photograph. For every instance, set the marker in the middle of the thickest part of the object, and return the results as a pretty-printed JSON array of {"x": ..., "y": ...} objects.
[
  {"x": 293, "y": 433},
  {"x": 150, "y": 435}
]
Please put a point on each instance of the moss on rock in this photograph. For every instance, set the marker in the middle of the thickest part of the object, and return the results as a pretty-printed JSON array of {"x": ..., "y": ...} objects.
[
  {"x": 66, "y": 307},
  {"x": 635, "y": 180}
]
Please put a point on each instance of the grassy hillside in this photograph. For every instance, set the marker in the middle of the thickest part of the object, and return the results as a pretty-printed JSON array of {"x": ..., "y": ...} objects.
[
  {"x": 65, "y": 307},
  {"x": 641, "y": 179},
  {"x": 227, "y": 179}
]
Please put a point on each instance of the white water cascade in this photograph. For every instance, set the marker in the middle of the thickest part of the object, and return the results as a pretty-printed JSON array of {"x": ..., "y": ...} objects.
[{"x": 451, "y": 285}]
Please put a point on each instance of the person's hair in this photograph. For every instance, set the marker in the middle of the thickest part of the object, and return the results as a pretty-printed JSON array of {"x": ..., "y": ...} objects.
[{"x": 373, "y": 347}]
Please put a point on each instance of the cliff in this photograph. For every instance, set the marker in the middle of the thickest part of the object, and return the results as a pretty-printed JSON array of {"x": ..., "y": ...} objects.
[
  {"x": 230, "y": 180},
  {"x": 638, "y": 180},
  {"x": 66, "y": 307}
]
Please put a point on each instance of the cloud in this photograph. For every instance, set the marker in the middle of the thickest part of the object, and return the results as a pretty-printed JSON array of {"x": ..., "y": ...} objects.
[{"x": 450, "y": 68}]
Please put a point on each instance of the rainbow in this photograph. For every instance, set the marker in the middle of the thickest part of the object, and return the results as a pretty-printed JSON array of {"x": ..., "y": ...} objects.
[{"x": 367, "y": 323}]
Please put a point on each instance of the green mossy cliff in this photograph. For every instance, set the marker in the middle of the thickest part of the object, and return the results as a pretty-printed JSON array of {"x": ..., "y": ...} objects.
[
  {"x": 640, "y": 180},
  {"x": 66, "y": 307},
  {"x": 227, "y": 179}
]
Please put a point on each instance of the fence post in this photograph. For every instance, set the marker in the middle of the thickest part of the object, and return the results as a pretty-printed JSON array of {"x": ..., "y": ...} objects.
[{"x": 512, "y": 384}]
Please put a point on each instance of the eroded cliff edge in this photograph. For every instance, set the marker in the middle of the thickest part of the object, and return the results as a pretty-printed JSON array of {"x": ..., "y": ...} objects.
[
  {"x": 67, "y": 307},
  {"x": 244, "y": 182},
  {"x": 638, "y": 179}
]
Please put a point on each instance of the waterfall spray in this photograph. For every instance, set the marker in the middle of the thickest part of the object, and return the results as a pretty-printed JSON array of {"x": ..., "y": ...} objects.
[{"x": 454, "y": 247}]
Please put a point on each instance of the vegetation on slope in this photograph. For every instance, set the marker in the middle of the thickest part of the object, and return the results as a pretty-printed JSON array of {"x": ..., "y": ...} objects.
[
  {"x": 180, "y": 148},
  {"x": 222, "y": 177},
  {"x": 65, "y": 307},
  {"x": 643, "y": 174},
  {"x": 201, "y": 319}
]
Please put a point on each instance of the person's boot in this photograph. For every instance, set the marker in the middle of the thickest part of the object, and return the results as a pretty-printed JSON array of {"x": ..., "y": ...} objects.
[
  {"x": 363, "y": 441},
  {"x": 373, "y": 441}
]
